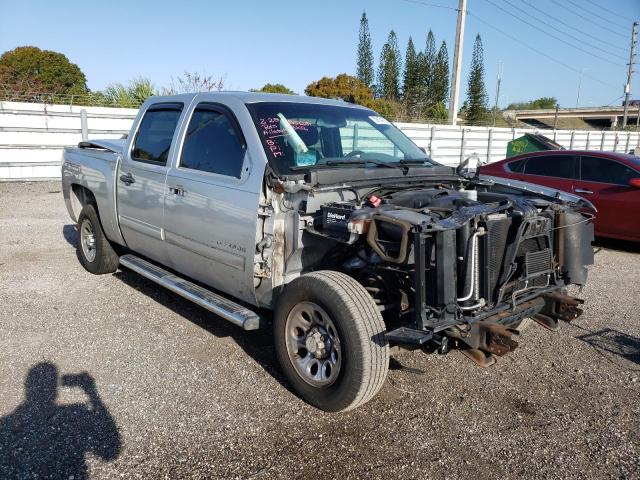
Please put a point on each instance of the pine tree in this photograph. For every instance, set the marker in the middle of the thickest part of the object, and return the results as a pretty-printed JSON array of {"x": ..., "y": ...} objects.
[
  {"x": 428, "y": 73},
  {"x": 476, "y": 91},
  {"x": 440, "y": 82},
  {"x": 364, "y": 70},
  {"x": 410, "y": 85},
  {"x": 397, "y": 57},
  {"x": 389, "y": 69},
  {"x": 421, "y": 78},
  {"x": 382, "y": 70}
]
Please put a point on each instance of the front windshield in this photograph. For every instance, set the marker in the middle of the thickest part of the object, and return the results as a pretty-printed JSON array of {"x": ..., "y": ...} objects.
[{"x": 302, "y": 136}]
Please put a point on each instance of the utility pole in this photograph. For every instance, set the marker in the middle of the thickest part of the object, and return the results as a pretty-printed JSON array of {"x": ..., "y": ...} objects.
[
  {"x": 457, "y": 63},
  {"x": 579, "y": 85},
  {"x": 632, "y": 59},
  {"x": 498, "y": 82}
]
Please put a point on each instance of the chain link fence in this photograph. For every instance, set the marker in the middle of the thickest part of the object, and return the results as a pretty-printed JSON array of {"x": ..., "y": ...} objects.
[{"x": 92, "y": 99}]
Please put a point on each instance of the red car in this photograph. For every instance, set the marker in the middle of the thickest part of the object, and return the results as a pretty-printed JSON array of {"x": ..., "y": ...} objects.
[{"x": 609, "y": 180}]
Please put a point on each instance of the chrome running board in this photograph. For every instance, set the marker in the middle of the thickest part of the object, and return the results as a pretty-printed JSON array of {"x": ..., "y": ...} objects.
[{"x": 221, "y": 306}]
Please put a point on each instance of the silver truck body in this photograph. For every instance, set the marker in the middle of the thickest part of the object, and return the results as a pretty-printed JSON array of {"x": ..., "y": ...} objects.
[{"x": 327, "y": 214}]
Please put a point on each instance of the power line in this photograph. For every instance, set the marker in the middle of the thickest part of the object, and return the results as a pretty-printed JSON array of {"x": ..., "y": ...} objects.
[
  {"x": 429, "y": 4},
  {"x": 567, "y": 25},
  {"x": 534, "y": 49},
  {"x": 552, "y": 35},
  {"x": 588, "y": 19},
  {"x": 614, "y": 100},
  {"x": 565, "y": 33},
  {"x": 610, "y": 11},
  {"x": 539, "y": 52},
  {"x": 597, "y": 15}
]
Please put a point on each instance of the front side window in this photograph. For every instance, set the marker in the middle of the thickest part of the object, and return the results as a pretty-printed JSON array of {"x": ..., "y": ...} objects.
[
  {"x": 302, "y": 136},
  {"x": 517, "y": 166},
  {"x": 561, "y": 166},
  {"x": 213, "y": 143},
  {"x": 596, "y": 169},
  {"x": 153, "y": 140}
]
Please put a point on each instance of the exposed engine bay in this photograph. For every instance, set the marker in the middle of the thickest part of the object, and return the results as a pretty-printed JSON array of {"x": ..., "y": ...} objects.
[{"x": 461, "y": 259}]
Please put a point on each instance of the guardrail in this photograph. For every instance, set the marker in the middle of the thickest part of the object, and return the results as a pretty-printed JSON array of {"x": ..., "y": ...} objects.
[{"x": 33, "y": 135}]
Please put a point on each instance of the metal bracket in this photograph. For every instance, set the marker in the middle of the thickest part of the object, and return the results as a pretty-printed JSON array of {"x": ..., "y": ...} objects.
[
  {"x": 562, "y": 306},
  {"x": 404, "y": 335}
]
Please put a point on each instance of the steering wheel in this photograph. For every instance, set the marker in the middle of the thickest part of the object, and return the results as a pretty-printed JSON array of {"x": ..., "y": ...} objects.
[{"x": 354, "y": 153}]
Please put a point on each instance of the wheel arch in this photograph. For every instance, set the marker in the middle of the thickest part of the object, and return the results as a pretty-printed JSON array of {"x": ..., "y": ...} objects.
[{"x": 79, "y": 197}]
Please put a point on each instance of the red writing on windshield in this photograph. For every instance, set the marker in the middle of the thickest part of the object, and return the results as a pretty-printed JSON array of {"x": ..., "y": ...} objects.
[{"x": 271, "y": 130}]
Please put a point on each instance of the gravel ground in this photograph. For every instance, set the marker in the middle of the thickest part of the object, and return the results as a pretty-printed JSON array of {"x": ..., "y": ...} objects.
[{"x": 154, "y": 386}]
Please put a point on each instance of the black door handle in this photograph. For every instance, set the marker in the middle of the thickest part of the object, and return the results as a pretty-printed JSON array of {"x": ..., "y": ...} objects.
[
  {"x": 127, "y": 178},
  {"x": 178, "y": 190}
]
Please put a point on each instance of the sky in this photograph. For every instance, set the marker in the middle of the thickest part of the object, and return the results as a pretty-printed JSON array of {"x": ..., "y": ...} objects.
[{"x": 252, "y": 42}]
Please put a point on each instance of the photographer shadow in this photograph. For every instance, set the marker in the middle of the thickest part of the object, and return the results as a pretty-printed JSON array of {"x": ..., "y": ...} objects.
[{"x": 44, "y": 439}]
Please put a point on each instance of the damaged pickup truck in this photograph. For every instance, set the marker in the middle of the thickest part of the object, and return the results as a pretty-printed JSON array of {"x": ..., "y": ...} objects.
[{"x": 328, "y": 216}]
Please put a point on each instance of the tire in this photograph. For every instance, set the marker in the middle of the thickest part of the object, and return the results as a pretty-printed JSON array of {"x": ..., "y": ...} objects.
[
  {"x": 341, "y": 360},
  {"x": 94, "y": 250}
]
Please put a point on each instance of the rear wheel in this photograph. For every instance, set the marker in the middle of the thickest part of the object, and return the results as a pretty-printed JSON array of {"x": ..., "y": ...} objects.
[
  {"x": 94, "y": 250},
  {"x": 330, "y": 341}
]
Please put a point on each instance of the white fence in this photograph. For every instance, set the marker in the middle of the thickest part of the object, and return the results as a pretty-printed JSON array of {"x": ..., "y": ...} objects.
[
  {"x": 450, "y": 144},
  {"x": 32, "y": 136}
]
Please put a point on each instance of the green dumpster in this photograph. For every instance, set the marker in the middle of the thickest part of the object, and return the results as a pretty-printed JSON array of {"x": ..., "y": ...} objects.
[{"x": 531, "y": 142}]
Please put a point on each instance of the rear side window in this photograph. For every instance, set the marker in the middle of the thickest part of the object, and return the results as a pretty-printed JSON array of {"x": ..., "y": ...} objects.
[
  {"x": 213, "y": 143},
  {"x": 596, "y": 169},
  {"x": 561, "y": 166},
  {"x": 517, "y": 166},
  {"x": 153, "y": 140}
]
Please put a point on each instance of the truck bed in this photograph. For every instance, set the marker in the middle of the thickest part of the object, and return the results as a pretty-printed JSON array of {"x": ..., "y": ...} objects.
[{"x": 93, "y": 168}]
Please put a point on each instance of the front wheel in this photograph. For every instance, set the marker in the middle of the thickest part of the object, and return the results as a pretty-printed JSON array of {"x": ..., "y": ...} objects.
[{"x": 330, "y": 341}]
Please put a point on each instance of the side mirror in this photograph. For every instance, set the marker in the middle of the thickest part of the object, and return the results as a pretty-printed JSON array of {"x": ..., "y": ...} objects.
[
  {"x": 635, "y": 182},
  {"x": 470, "y": 166}
]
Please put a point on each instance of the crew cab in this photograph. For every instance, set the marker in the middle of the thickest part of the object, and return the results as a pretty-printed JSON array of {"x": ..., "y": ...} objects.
[{"x": 321, "y": 220}]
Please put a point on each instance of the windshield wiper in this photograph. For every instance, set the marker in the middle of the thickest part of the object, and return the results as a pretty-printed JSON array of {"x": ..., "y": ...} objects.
[
  {"x": 363, "y": 161},
  {"x": 416, "y": 161}
]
